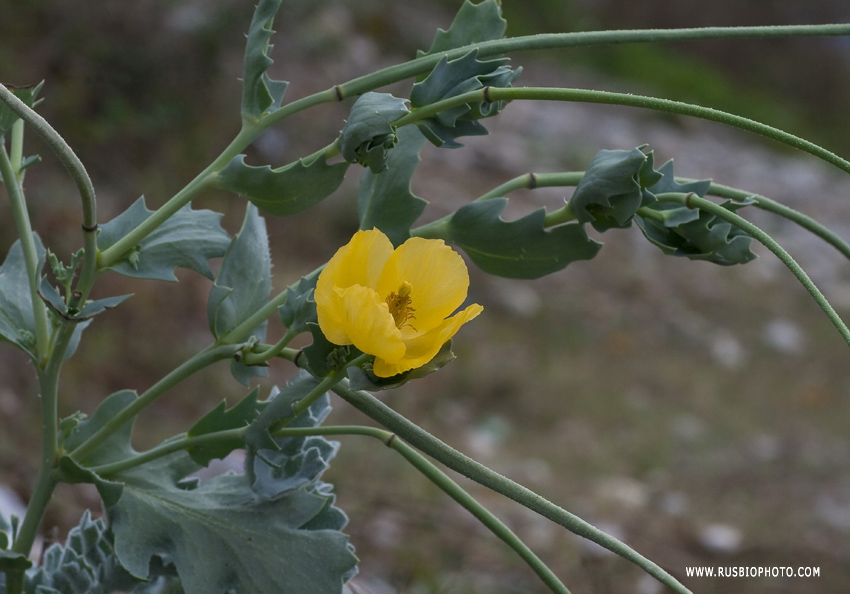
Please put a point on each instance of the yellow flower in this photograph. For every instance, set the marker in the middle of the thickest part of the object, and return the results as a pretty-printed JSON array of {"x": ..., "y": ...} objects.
[{"x": 393, "y": 304}]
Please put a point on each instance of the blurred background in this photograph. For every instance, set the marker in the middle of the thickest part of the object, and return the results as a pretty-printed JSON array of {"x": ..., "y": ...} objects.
[{"x": 699, "y": 413}]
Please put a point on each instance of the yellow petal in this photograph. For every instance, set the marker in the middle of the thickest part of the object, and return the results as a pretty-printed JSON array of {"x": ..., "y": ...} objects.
[
  {"x": 367, "y": 323},
  {"x": 333, "y": 317},
  {"x": 357, "y": 263},
  {"x": 437, "y": 276},
  {"x": 422, "y": 349}
]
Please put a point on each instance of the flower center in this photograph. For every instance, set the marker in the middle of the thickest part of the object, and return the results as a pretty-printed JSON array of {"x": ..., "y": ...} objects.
[{"x": 401, "y": 306}]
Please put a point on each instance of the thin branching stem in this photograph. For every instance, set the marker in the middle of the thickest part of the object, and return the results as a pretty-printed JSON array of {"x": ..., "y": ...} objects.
[
  {"x": 191, "y": 366},
  {"x": 710, "y": 207},
  {"x": 453, "y": 459},
  {"x": 628, "y": 100}
]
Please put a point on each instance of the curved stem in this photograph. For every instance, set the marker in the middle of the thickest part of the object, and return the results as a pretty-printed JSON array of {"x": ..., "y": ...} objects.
[
  {"x": 434, "y": 474},
  {"x": 58, "y": 145},
  {"x": 451, "y": 488},
  {"x": 78, "y": 173},
  {"x": 445, "y": 454},
  {"x": 490, "y": 94},
  {"x": 22, "y": 222},
  {"x": 194, "y": 364},
  {"x": 765, "y": 239},
  {"x": 795, "y": 216},
  {"x": 580, "y": 39},
  {"x": 268, "y": 352}
]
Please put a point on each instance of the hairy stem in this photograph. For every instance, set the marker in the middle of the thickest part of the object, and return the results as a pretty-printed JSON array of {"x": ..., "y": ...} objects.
[
  {"x": 194, "y": 364},
  {"x": 580, "y": 39},
  {"x": 78, "y": 173},
  {"x": 490, "y": 94},
  {"x": 45, "y": 483},
  {"x": 445, "y": 454},
  {"x": 795, "y": 216},
  {"x": 708, "y": 206},
  {"x": 448, "y": 486},
  {"x": 24, "y": 227}
]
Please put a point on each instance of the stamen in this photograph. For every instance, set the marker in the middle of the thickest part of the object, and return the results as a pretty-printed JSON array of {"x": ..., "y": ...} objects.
[{"x": 400, "y": 305}]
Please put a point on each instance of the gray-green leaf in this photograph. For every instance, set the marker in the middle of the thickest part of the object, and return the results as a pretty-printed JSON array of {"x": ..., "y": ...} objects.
[
  {"x": 706, "y": 238},
  {"x": 611, "y": 190},
  {"x": 385, "y": 200},
  {"x": 222, "y": 418},
  {"x": 472, "y": 24},
  {"x": 17, "y": 325},
  {"x": 231, "y": 539},
  {"x": 186, "y": 240},
  {"x": 451, "y": 79},
  {"x": 86, "y": 564},
  {"x": 517, "y": 249},
  {"x": 260, "y": 93},
  {"x": 244, "y": 281},
  {"x": 284, "y": 191},
  {"x": 368, "y": 134}
]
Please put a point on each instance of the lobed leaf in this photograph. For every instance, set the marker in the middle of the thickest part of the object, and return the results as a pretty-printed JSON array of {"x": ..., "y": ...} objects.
[
  {"x": 115, "y": 448},
  {"x": 260, "y": 93},
  {"x": 244, "y": 280},
  {"x": 517, "y": 249},
  {"x": 293, "y": 462},
  {"x": 186, "y": 240},
  {"x": 705, "y": 238},
  {"x": 278, "y": 408},
  {"x": 385, "y": 200},
  {"x": 86, "y": 564},
  {"x": 451, "y": 79},
  {"x": 299, "y": 309},
  {"x": 222, "y": 418},
  {"x": 472, "y": 24},
  {"x": 229, "y": 539},
  {"x": 368, "y": 135},
  {"x": 284, "y": 191}
]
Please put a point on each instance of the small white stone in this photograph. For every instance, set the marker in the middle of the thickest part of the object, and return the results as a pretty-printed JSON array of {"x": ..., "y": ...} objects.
[{"x": 721, "y": 538}]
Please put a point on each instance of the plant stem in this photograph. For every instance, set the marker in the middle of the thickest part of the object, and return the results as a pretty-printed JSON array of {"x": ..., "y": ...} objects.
[
  {"x": 78, "y": 173},
  {"x": 16, "y": 150},
  {"x": 199, "y": 361},
  {"x": 490, "y": 94},
  {"x": 118, "y": 250},
  {"x": 528, "y": 181},
  {"x": 434, "y": 474},
  {"x": 175, "y": 444},
  {"x": 448, "y": 486},
  {"x": 580, "y": 39},
  {"x": 323, "y": 386},
  {"x": 445, "y": 454},
  {"x": 270, "y": 351},
  {"x": 45, "y": 483},
  {"x": 24, "y": 227},
  {"x": 738, "y": 221},
  {"x": 795, "y": 216}
]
